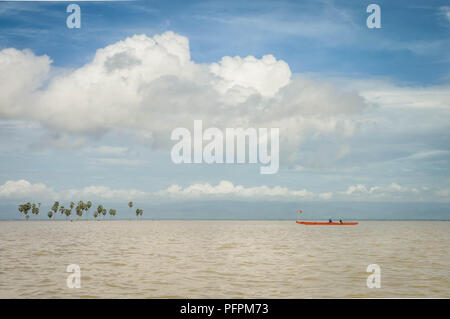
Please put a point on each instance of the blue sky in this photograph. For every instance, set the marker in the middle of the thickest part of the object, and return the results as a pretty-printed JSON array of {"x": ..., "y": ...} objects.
[
  {"x": 374, "y": 103},
  {"x": 313, "y": 36}
]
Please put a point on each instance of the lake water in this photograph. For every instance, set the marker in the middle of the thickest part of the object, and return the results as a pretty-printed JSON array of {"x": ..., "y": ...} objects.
[{"x": 223, "y": 259}]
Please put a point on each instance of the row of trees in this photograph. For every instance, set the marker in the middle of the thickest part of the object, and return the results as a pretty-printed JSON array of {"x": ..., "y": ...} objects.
[
  {"x": 80, "y": 209},
  {"x": 25, "y": 209}
]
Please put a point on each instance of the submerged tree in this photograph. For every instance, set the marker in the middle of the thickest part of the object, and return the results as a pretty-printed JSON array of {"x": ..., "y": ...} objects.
[
  {"x": 25, "y": 208},
  {"x": 62, "y": 209},
  {"x": 50, "y": 214},
  {"x": 139, "y": 212},
  {"x": 99, "y": 210},
  {"x": 55, "y": 208},
  {"x": 79, "y": 212},
  {"x": 68, "y": 212},
  {"x": 79, "y": 209},
  {"x": 88, "y": 206},
  {"x": 95, "y": 214},
  {"x": 35, "y": 209},
  {"x": 112, "y": 212},
  {"x": 130, "y": 204}
]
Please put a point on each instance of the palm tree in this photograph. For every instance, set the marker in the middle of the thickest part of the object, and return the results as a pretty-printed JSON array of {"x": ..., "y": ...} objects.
[
  {"x": 34, "y": 209},
  {"x": 25, "y": 208},
  {"x": 21, "y": 209},
  {"x": 99, "y": 210},
  {"x": 95, "y": 215},
  {"x": 50, "y": 214},
  {"x": 79, "y": 209},
  {"x": 130, "y": 204},
  {"x": 55, "y": 208},
  {"x": 79, "y": 212},
  {"x": 139, "y": 212},
  {"x": 104, "y": 212},
  {"x": 112, "y": 212},
  {"x": 68, "y": 212},
  {"x": 62, "y": 209},
  {"x": 88, "y": 206}
]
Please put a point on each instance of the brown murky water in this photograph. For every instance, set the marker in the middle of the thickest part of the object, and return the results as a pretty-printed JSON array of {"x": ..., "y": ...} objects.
[{"x": 223, "y": 259}]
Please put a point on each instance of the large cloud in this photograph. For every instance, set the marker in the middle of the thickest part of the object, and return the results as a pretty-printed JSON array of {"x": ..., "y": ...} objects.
[
  {"x": 24, "y": 190},
  {"x": 151, "y": 86}
]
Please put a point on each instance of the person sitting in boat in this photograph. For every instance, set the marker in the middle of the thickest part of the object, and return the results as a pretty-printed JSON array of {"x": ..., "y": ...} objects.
[
  {"x": 330, "y": 220},
  {"x": 340, "y": 220}
]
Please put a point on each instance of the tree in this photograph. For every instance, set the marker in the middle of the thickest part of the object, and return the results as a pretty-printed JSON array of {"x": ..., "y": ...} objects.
[
  {"x": 21, "y": 209},
  {"x": 79, "y": 212},
  {"x": 55, "y": 207},
  {"x": 130, "y": 204},
  {"x": 34, "y": 209},
  {"x": 50, "y": 214},
  {"x": 95, "y": 215},
  {"x": 104, "y": 212},
  {"x": 112, "y": 212},
  {"x": 62, "y": 209},
  {"x": 25, "y": 208},
  {"x": 79, "y": 209},
  {"x": 88, "y": 206},
  {"x": 68, "y": 212},
  {"x": 139, "y": 212},
  {"x": 99, "y": 210}
]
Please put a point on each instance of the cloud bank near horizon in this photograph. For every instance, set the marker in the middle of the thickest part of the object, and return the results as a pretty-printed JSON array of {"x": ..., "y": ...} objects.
[{"x": 224, "y": 190}]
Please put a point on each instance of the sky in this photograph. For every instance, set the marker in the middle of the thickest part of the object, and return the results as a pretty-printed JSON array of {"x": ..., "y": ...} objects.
[{"x": 364, "y": 114}]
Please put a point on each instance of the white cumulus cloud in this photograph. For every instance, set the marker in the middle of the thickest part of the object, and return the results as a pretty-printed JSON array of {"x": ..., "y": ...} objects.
[
  {"x": 226, "y": 189},
  {"x": 24, "y": 190},
  {"x": 150, "y": 85}
]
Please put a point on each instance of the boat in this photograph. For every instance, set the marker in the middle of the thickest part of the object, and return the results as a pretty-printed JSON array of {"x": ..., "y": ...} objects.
[{"x": 326, "y": 223}]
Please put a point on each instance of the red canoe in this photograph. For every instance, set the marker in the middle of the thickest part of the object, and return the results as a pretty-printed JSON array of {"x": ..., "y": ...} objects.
[{"x": 324, "y": 223}]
